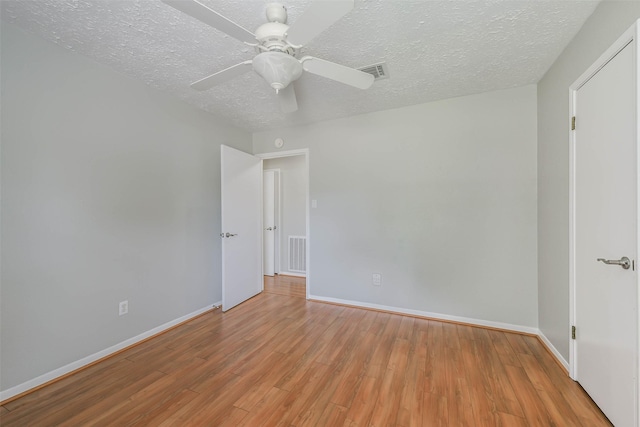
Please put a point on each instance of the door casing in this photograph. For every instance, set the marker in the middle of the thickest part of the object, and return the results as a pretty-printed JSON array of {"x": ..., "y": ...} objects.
[{"x": 633, "y": 34}]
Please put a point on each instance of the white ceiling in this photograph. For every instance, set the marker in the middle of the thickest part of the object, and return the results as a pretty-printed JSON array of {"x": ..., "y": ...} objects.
[{"x": 434, "y": 49}]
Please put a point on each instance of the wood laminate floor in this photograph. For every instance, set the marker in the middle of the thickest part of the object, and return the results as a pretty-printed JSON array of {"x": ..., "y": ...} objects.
[{"x": 279, "y": 360}]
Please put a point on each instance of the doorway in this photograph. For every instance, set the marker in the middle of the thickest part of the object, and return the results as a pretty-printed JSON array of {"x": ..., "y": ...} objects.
[
  {"x": 604, "y": 232},
  {"x": 291, "y": 225}
]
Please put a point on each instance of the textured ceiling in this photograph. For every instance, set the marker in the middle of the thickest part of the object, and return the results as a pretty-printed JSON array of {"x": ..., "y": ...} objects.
[{"x": 434, "y": 49}]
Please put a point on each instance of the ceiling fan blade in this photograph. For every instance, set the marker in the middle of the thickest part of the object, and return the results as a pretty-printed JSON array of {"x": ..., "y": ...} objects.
[
  {"x": 212, "y": 18},
  {"x": 222, "y": 76},
  {"x": 287, "y": 99},
  {"x": 337, "y": 72},
  {"x": 318, "y": 17}
]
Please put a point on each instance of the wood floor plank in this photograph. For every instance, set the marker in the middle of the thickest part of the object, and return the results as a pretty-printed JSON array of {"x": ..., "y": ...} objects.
[
  {"x": 503, "y": 348},
  {"x": 355, "y": 370},
  {"x": 508, "y": 420},
  {"x": 380, "y": 358},
  {"x": 406, "y": 330},
  {"x": 46, "y": 399},
  {"x": 410, "y": 411},
  {"x": 557, "y": 409},
  {"x": 301, "y": 395},
  {"x": 77, "y": 415},
  {"x": 500, "y": 389},
  {"x": 310, "y": 416},
  {"x": 263, "y": 408},
  {"x": 534, "y": 410},
  {"x": 379, "y": 323},
  {"x": 571, "y": 391},
  {"x": 435, "y": 376},
  {"x": 435, "y": 411},
  {"x": 334, "y": 415},
  {"x": 342, "y": 341},
  {"x": 234, "y": 418},
  {"x": 389, "y": 396},
  {"x": 363, "y": 403},
  {"x": 155, "y": 397},
  {"x": 482, "y": 403},
  {"x": 458, "y": 393},
  {"x": 305, "y": 354},
  {"x": 164, "y": 410},
  {"x": 285, "y": 285},
  {"x": 213, "y": 405},
  {"x": 280, "y": 360},
  {"x": 518, "y": 343},
  {"x": 278, "y": 364}
]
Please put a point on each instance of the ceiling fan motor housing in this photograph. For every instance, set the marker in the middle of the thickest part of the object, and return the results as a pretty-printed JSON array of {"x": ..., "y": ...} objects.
[{"x": 272, "y": 37}]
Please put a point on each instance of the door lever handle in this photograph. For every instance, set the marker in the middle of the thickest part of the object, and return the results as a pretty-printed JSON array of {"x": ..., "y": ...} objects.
[
  {"x": 229, "y": 234},
  {"x": 269, "y": 229},
  {"x": 623, "y": 262}
]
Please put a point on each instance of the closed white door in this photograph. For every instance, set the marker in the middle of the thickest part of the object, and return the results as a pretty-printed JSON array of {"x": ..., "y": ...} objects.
[
  {"x": 605, "y": 209},
  {"x": 269, "y": 222},
  {"x": 241, "y": 202}
]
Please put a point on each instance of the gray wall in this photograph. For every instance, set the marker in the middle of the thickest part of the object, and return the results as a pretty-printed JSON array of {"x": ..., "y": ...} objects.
[
  {"x": 439, "y": 198},
  {"x": 110, "y": 191},
  {"x": 607, "y": 23},
  {"x": 293, "y": 186}
]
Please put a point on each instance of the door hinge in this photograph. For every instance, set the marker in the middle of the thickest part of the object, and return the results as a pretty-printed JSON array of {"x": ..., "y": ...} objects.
[
  {"x": 573, "y": 123},
  {"x": 573, "y": 332}
]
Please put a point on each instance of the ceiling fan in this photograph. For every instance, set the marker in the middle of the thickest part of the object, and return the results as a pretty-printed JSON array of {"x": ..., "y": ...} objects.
[{"x": 278, "y": 45}]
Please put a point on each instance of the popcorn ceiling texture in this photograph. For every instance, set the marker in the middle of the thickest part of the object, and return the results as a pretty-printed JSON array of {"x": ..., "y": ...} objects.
[{"x": 434, "y": 50}]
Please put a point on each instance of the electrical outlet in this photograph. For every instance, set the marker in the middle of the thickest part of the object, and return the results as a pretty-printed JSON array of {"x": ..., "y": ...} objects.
[
  {"x": 376, "y": 279},
  {"x": 123, "y": 308}
]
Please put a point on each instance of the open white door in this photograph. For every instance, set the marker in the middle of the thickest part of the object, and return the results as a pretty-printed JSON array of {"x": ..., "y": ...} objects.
[
  {"x": 604, "y": 257},
  {"x": 241, "y": 201},
  {"x": 269, "y": 221}
]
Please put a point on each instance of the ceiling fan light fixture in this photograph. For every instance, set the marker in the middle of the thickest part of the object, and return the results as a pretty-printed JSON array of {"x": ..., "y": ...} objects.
[{"x": 277, "y": 68}]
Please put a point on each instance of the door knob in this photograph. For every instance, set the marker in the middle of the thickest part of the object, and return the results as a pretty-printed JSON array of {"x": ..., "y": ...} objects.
[{"x": 623, "y": 262}]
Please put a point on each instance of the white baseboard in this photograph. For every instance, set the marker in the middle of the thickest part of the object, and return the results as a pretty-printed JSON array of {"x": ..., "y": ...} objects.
[
  {"x": 56, "y": 373},
  {"x": 438, "y": 316},
  {"x": 288, "y": 273},
  {"x": 554, "y": 350}
]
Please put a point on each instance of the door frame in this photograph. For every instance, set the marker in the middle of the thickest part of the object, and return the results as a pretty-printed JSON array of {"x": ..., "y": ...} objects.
[
  {"x": 277, "y": 218},
  {"x": 632, "y": 34},
  {"x": 291, "y": 153}
]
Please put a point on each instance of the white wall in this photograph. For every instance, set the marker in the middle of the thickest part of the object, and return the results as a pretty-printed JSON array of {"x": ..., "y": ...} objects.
[
  {"x": 293, "y": 187},
  {"x": 605, "y": 25},
  {"x": 440, "y": 198},
  {"x": 110, "y": 192}
]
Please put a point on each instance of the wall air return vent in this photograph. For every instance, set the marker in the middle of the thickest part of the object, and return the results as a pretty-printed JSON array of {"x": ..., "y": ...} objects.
[
  {"x": 378, "y": 71},
  {"x": 298, "y": 254}
]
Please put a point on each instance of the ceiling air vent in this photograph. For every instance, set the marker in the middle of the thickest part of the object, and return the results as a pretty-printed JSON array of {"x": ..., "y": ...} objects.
[{"x": 378, "y": 71}]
